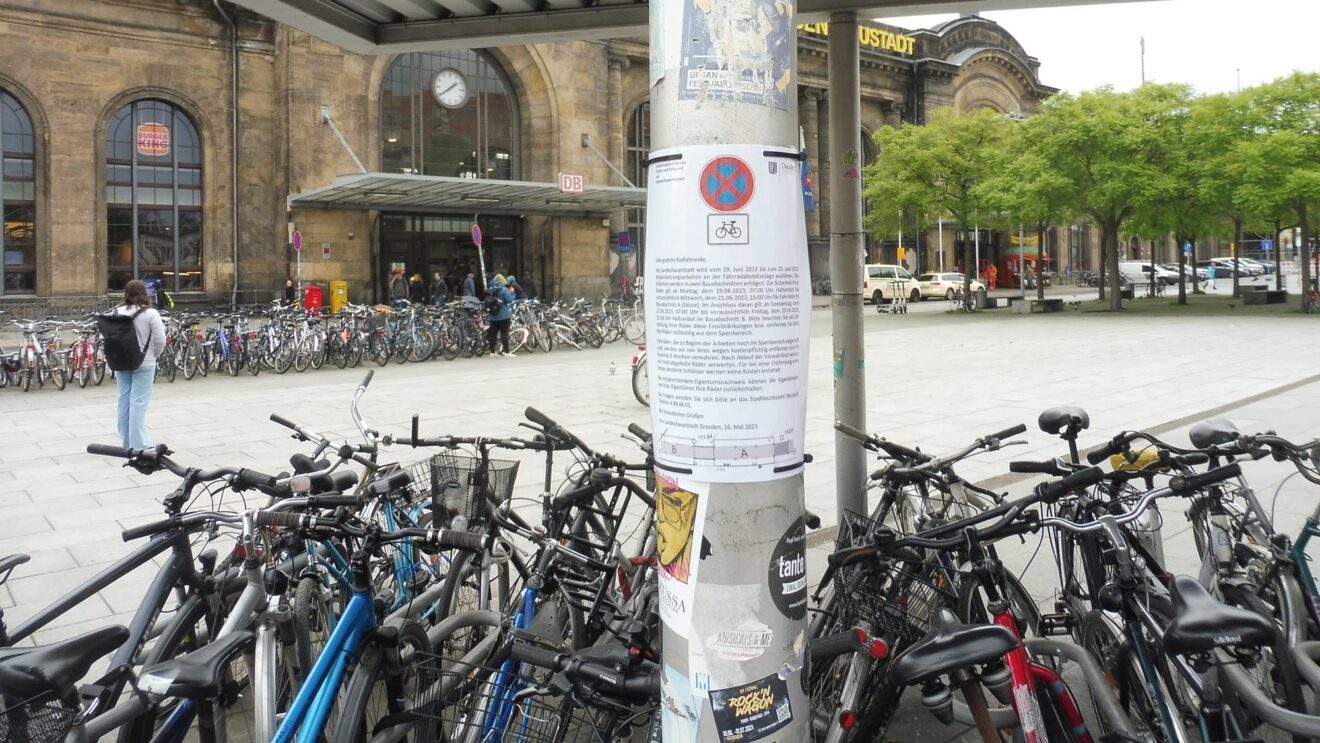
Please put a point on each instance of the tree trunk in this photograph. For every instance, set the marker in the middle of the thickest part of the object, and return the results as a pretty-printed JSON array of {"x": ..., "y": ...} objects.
[
  {"x": 968, "y": 270},
  {"x": 1196, "y": 285},
  {"x": 1040, "y": 259},
  {"x": 1303, "y": 254},
  {"x": 1109, "y": 244},
  {"x": 1182, "y": 270},
  {"x": 1278, "y": 258},
  {"x": 1237, "y": 249}
]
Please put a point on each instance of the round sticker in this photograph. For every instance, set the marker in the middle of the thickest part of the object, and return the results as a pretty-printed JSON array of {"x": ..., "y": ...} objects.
[{"x": 788, "y": 572}]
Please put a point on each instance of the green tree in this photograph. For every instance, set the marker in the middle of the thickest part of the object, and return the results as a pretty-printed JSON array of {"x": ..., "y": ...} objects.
[
  {"x": 932, "y": 170},
  {"x": 1106, "y": 148}
]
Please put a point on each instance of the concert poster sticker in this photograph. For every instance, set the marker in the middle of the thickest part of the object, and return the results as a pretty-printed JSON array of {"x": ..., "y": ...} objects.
[
  {"x": 728, "y": 312},
  {"x": 751, "y": 711},
  {"x": 680, "y": 511}
]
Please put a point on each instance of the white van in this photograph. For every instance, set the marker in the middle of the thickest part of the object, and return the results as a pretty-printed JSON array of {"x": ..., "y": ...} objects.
[
  {"x": 882, "y": 282},
  {"x": 1138, "y": 272}
]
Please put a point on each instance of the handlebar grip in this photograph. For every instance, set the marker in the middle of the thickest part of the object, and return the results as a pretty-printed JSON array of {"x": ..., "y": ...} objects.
[
  {"x": 851, "y": 432},
  {"x": 1191, "y": 483},
  {"x": 829, "y": 646},
  {"x": 1035, "y": 468},
  {"x": 638, "y": 431},
  {"x": 564, "y": 500},
  {"x": 1196, "y": 457},
  {"x": 472, "y": 541},
  {"x": 1107, "y": 450},
  {"x": 811, "y": 520},
  {"x": 898, "y": 451},
  {"x": 539, "y": 418},
  {"x": 1009, "y": 432},
  {"x": 540, "y": 657},
  {"x": 256, "y": 479},
  {"x": 279, "y": 518},
  {"x": 284, "y": 421},
  {"x": 335, "y": 500},
  {"x": 146, "y": 530},
  {"x": 106, "y": 450},
  {"x": 1081, "y": 479},
  {"x": 367, "y": 379},
  {"x": 846, "y": 555}
]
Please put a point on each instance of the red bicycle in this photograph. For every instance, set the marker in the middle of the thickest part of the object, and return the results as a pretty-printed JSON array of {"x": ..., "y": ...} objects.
[{"x": 87, "y": 356}]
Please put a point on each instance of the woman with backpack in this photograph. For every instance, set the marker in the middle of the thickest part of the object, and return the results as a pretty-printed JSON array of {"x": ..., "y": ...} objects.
[{"x": 146, "y": 342}]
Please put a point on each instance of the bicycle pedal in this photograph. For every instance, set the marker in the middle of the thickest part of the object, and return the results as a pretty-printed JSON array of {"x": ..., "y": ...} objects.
[{"x": 1056, "y": 624}]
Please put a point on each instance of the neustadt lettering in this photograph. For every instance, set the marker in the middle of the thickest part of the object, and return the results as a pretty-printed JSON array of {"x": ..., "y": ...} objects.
[{"x": 876, "y": 38}]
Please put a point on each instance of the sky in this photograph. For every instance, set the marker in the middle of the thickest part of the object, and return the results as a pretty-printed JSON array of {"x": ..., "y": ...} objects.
[{"x": 1202, "y": 42}]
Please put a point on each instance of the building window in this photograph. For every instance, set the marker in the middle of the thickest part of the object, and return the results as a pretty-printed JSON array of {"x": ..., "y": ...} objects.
[
  {"x": 639, "y": 147},
  {"x": 18, "y": 199},
  {"x": 153, "y": 197},
  {"x": 449, "y": 114}
]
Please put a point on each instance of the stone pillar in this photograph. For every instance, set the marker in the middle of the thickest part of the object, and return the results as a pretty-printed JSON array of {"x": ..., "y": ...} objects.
[
  {"x": 822, "y": 175},
  {"x": 621, "y": 265},
  {"x": 809, "y": 115}
]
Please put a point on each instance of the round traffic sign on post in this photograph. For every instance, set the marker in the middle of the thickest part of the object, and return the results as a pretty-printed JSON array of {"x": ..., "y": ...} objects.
[
  {"x": 726, "y": 184},
  {"x": 476, "y": 234},
  {"x": 297, "y": 239}
]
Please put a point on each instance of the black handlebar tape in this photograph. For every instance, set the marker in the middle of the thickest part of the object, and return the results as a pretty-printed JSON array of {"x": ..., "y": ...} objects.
[
  {"x": 106, "y": 450},
  {"x": 367, "y": 379},
  {"x": 1009, "y": 432},
  {"x": 1105, "y": 451},
  {"x": 829, "y": 646},
  {"x": 638, "y": 431},
  {"x": 256, "y": 479},
  {"x": 472, "y": 541},
  {"x": 284, "y": 421},
  {"x": 811, "y": 520},
  {"x": 1035, "y": 468},
  {"x": 1191, "y": 483},
  {"x": 521, "y": 652},
  {"x": 280, "y": 518},
  {"x": 851, "y": 432},
  {"x": 146, "y": 530},
  {"x": 1080, "y": 479},
  {"x": 539, "y": 418}
]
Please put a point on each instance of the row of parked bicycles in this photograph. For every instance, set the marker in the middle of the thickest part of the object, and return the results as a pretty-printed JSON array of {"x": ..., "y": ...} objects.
[
  {"x": 354, "y": 598},
  {"x": 277, "y": 338}
]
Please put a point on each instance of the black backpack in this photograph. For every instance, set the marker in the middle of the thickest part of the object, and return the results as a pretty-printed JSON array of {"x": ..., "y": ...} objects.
[
  {"x": 122, "y": 352},
  {"x": 492, "y": 302}
]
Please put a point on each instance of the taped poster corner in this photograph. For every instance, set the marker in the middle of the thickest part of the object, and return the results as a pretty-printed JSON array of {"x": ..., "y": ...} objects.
[{"x": 680, "y": 516}]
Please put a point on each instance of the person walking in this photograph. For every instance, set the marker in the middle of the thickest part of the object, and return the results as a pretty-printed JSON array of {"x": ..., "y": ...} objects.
[
  {"x": 1209, "y": 277},
  {"x": 135, "y": 386},
  {"x": 470, "y": 286},
  {"x": 499, "y": 314},
  {"x": 398, "y": 287},
  {"x": 417, "y": 288},
  {"x": 439, "y": 290}
]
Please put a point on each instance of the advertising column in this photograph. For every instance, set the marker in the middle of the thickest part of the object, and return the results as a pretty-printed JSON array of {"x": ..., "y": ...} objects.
[{"x": 728, "y": 305}]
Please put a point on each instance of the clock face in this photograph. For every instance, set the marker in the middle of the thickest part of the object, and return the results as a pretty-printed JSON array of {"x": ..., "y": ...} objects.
[{"x": 450, "y": 88}]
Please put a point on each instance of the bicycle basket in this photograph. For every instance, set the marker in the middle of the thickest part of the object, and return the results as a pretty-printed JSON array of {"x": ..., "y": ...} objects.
[
  {"x": 894, "y": 596},
  {"x": 447, "y": 479},
  {"x": 42, "y": 719}
]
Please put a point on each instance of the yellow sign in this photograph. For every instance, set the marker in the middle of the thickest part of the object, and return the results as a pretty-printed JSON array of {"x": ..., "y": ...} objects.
[{"x": 876, "y": 38}]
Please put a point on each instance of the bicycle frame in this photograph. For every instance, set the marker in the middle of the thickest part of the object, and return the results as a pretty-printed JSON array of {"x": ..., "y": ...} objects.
[{"x": 1302, "y": 564}]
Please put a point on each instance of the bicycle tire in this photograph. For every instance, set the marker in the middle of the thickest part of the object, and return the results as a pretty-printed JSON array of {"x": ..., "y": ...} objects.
[
  {"x": 1097, "y": 637},
  {"x": 179, "y": 637},
  {"x": 364, "y": 704},
  {"x": 634, "y": 329},
  {"x": 25, "y": 379},
  {"x": 1280, "y": 681},
  {"x": 233, "y": 361},
  {"x": 191, "y": 359},
  {"x": 167, "y": 366},
  {"x": 449, "y": 341},
  {"x": 98, "y": 363},
  {"x": 641, "y": 383},
  {"x": 302, "y": 356},
  {"x": 252, "y": 357},
  {"x": 55, "y": 370},
  {"x": 313, "y": 618},
  {"x": 82, "y": 372},
  {"x": 611, "y": 329},
  {"x": 543, "y": 339},
  {"x": 970, "y": 607}
]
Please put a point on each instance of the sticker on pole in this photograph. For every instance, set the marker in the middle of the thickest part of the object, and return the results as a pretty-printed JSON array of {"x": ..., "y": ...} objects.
[
  {"x": 751, "y": 711},
  {"x": 726, "y": 184},
  {"x": 788, "y": 572}
]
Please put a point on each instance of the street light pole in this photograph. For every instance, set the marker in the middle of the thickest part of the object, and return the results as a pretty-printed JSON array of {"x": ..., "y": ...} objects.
[{"x": 1022, "y": 263}]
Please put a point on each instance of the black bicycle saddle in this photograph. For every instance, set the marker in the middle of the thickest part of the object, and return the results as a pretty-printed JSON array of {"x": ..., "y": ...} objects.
[
  {"x": 1065, "y": 420},
  {"x": 56, "y": 668},
  {"x": 1214, "y": 431},
  {"x": 198, "y": 674},
  {"x": 949, "y": 647},
  {"x": 1202, "y": 623}
]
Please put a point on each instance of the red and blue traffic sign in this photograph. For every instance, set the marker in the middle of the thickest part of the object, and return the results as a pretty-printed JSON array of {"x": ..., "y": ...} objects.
[
  {"x": 476, "y": 234},
  {"x": 726, "y": 184}
]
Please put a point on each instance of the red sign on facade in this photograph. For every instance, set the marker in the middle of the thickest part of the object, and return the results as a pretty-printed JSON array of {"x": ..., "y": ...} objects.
[{"x": 153, "y": 140}]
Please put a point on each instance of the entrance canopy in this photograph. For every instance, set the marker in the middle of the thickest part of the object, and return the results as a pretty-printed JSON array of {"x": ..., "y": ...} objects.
[
  {"x": 395, "y": 26},
  {"x": 431, "y": 194}
]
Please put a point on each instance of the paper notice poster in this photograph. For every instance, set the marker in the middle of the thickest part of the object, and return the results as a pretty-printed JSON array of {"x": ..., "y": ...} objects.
[{"x": 728, "y": 303}]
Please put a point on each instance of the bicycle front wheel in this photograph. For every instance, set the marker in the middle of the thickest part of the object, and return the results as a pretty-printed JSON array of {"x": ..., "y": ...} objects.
[
  {"x": 634, "y": 329},
  {"x": 385, "y": 682}
]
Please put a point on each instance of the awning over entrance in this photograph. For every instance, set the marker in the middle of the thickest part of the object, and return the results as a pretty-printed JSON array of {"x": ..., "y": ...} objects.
[{"x": 432, "y": 194}]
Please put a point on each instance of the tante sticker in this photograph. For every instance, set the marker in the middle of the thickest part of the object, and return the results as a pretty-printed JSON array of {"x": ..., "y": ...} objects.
[
  {"x": 751, "y": 711},
  {"x": 741, "y": 644},
  {"x": 788, "y": 572}
]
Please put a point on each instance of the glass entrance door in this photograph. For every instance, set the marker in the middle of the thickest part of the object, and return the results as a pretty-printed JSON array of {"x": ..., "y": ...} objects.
[{"x": 428, "y": 245}]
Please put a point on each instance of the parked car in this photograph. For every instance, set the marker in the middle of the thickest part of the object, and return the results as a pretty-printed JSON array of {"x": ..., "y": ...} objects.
[
  {"x": 1224, "y": 268},
  {"x": 884, "y": 281},
  {"x": 1265, "y": 267},
  {"x": 1194, "y": 273},
  {"x": 1139, "y": 272},
  {"x": 944, "y": 284}
]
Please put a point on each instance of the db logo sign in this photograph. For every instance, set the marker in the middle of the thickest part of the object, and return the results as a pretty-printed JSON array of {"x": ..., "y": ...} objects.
[{"x": 572, "y": 183}]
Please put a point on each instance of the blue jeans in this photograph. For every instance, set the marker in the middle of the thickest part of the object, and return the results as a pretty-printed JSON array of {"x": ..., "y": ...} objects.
[{"x": 134, "y": 396}]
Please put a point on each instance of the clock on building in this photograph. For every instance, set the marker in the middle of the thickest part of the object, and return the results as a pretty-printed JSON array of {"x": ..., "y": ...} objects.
[{"x": 450, "y": 88}]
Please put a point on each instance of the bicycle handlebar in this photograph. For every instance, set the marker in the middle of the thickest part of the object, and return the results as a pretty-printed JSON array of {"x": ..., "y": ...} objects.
[{"x": 641, "y": 685}]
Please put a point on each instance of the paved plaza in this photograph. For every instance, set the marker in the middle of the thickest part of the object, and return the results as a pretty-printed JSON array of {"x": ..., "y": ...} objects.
[{"x": 934, "y": 379}]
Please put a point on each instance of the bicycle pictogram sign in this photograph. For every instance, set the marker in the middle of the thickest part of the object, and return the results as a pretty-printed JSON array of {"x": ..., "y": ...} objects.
[{"x": 726, "y": 184}]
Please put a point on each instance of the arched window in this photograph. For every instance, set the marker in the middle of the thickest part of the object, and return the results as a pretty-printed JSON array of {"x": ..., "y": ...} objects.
[
  {"x": 153, "y": 197},
  {"x": 448, "y": 113},
  {"x": 18, "y": 199},
  {"x": 638, "y": 145}
]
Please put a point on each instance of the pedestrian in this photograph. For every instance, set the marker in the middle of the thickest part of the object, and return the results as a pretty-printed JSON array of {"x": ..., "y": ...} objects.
[
  {"x": 519, "y": 293},
  {"x": 135, "y": 385},
  {"x": 290, "y": 293},
  {"x": 1209, "y": 277},
  {"x": 992, "y": 274},
  {"x": 470, "y": 286},
  {"x": 416, "y": 288},
  {"x": 439, "y": 290},
  {"x": 498, "y": 314},
  {"x": 398, "y": 288}
]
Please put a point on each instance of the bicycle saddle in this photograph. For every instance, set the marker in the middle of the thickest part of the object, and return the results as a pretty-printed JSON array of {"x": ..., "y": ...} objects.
[
  {"x": 1202, "y": 623},
  {"x": 1064, "y": 420},
  {"x": 949, "y": 647},
  {"x": 1207, "y": 433},
  {"x": 198, "y": 674},
  {"x": 32, "y": 671}
]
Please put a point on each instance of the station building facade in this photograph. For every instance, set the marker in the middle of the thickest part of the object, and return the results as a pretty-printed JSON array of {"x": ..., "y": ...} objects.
[{"x": 146, "y": 139}]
